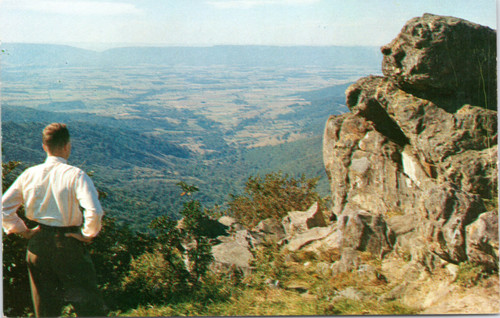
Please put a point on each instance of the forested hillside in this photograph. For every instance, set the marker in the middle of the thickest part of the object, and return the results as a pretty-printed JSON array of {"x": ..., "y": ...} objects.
[{"x": 138, "y": 171}]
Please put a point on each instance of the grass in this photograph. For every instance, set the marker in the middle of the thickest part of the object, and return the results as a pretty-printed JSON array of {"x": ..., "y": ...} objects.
[
  {"x": 318, "y": 294},
  {"x": 275, "y": 302},
  {"x": 469, "y": 274},
  {"x": 252, "y": 302},
  {"x": 307, "y": 287},
  {"x": 371, "y": 307}
]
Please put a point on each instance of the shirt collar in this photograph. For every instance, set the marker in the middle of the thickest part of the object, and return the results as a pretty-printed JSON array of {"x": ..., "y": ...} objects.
[{"x": 54, "y": 159}]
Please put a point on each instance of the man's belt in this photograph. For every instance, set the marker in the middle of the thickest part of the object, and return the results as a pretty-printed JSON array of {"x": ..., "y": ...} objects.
[{"x": 59, "y": 229}]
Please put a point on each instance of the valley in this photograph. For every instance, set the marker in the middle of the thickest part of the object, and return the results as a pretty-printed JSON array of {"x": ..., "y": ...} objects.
[
  {"x": 246, "y": 104},
  {"x": 143, "y": 127}
]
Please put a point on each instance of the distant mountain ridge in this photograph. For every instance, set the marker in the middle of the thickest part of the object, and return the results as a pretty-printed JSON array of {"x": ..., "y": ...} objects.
[
  {"x": 22, "y": 54},
  {"x": 25, "y": 54}
]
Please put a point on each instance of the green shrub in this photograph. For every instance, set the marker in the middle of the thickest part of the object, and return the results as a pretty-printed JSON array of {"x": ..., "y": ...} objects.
[
  {"x": 272, "y": 197},
  {"x": 184, "y": 254},
  {"x": 268, "y": 266},
  {"x": 469, "y": 274},
  {"x": 16, "y": 289},
  {"x": 112, "y": 252},
  {"x": 150, "y": 280}
]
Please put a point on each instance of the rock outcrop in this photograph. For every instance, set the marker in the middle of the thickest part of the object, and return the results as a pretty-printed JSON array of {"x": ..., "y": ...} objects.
[
  {"x": 413, "y": 173},
  {"x": 413, "y": 162},
  {"x": 444, "y": 59}
]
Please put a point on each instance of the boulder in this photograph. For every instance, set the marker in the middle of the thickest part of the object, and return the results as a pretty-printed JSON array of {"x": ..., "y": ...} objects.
[
  {"x": 365, "y": 231},
  {"x": 230, "y": 223},
  {"x": 270, "y": 229},
  {"x": 447, "y": 212},
  {"x": 331, "y": 242},
  {"x": 364, "y": 166},
  {"x": 307, "y": 237},
  {"x": 473, "y": 171},
  {"x": 434, "y": 133},
  {"x": 444, "y": 58},
  {"x": 352, "y": 293},
  {"x": 482, "y": 243},
  {"x": 300, "y": 221},
  {"x": 349, "y": 261},
  {"x": 233, "y": 252}
]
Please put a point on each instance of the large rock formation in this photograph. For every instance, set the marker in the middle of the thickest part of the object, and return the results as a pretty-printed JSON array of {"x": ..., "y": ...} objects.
[
  {"x": 413, "y": 173},
  {"x": 413, "y": 166},
  {"x": 415, "y": 160}
]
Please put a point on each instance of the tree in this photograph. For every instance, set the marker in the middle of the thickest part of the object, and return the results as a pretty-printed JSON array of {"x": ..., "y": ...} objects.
[
  {"x": 186, "y": 253},
  {"x": 191, "y": 230},
  {"x": 272, "y": 197},
  {"x": 113, "y": 252},
  {"x": 16, "y": 289}
]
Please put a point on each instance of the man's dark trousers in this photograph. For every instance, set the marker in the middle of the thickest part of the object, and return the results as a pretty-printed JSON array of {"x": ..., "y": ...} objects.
[{"x": 61, "y": 271}]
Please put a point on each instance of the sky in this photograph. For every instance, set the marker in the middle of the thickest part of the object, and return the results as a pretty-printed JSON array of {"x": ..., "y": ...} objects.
[{"x": 109, "y": 23}]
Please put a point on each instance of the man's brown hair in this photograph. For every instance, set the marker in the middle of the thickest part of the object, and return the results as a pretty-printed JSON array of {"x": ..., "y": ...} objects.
[{"x": 55, "y": 136}]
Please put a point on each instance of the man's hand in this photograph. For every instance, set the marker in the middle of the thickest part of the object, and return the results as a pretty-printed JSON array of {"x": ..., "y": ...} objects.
[
  {"x": 79, "y": 237},
  {"x": 29, "y": 232}
]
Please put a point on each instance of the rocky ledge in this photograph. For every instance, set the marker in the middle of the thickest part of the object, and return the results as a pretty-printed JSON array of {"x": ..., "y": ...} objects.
[
  {"x": 413, "y": 171},
  {"x": 413, "y": 155}
]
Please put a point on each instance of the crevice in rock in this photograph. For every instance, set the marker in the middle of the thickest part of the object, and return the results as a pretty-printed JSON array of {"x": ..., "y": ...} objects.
[{"x": 384, "y": 124}]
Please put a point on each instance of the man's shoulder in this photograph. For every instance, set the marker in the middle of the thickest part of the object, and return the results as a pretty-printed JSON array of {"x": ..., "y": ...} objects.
[
  {"x": 34, "y": 168},
  {"x": 59, "y": 168},
  {"x": 71, "y": 168}
]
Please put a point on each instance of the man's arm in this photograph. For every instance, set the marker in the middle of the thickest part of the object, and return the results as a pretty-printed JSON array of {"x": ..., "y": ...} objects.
[
  {"x": 29, "y": 232},
  {"x": 12, "y": 199},
  {"x": 88, "y": 198}
]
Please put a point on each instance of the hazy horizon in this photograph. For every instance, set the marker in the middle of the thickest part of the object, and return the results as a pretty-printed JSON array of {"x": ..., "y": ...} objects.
[
  {"x": 100, "y": 47},
  {"x": 100, "y": 25}
]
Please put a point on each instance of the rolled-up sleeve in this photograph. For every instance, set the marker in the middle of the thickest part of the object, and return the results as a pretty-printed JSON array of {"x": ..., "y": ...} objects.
[
  {"x": 12, "y": 199},
  {"x": 88, "y": 199}
]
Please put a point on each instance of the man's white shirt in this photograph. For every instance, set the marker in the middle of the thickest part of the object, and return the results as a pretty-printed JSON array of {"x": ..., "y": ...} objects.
[{"x": 52, "y": 194}]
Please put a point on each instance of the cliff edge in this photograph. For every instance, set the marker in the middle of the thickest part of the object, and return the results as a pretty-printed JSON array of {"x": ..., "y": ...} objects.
[
  {"x": 425, "y": 168},
  {"x": 413, "y": 166}
]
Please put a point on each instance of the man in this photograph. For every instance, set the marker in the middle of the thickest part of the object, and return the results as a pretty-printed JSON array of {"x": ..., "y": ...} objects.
[{"x": 58, "y": 262}]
